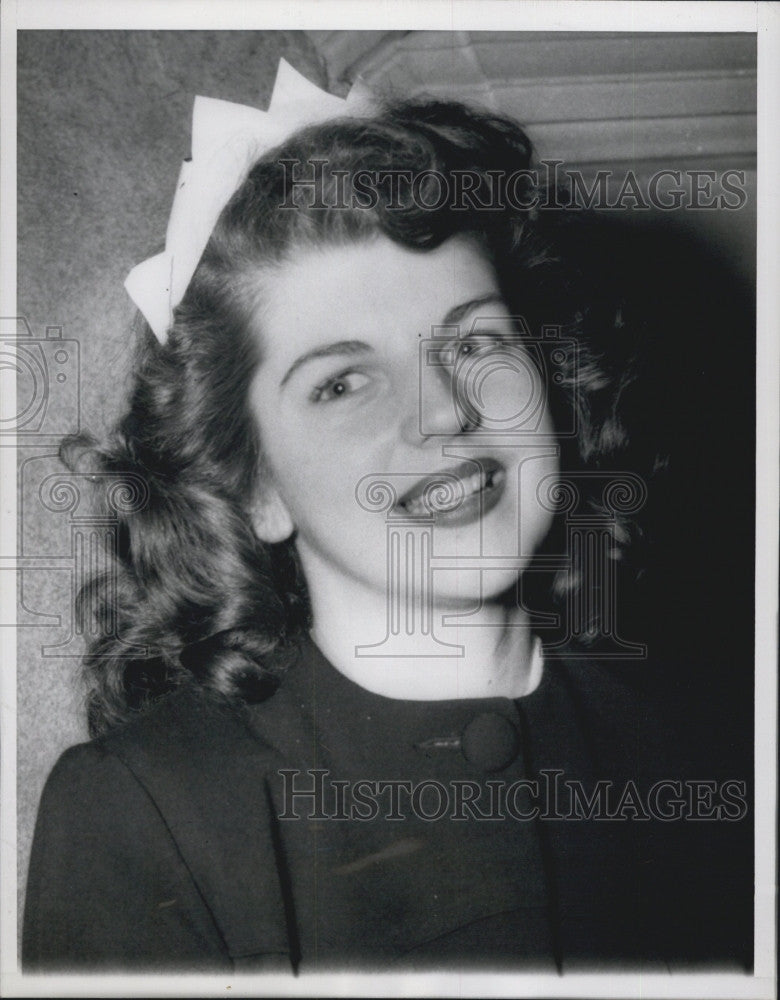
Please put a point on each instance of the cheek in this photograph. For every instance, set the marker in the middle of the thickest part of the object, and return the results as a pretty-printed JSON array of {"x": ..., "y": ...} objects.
[
  {"x": 535, "y": 516},
  {"x": 326, "y": 458},
  {"x": 316, "y": 477},
  {"x": 536, "y": 511},
  {"x": 539, "y": 471}
]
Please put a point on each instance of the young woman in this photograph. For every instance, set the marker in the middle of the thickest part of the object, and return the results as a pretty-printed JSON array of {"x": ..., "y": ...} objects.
[{"x": 382, "y": 446}]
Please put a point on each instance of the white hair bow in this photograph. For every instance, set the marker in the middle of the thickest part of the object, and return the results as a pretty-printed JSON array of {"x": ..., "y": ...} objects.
[{"x": 227, "y": 139}]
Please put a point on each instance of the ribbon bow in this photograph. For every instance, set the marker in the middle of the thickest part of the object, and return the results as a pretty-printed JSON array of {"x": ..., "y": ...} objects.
[{"x": 227, "y": 139}]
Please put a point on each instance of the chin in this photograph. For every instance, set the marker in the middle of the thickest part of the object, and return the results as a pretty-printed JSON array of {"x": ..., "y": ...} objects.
[{"x": 471, "y": 588}]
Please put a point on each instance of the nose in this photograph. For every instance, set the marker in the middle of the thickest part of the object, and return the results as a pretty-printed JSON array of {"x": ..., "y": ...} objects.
[{"x": 431, "y": 406}]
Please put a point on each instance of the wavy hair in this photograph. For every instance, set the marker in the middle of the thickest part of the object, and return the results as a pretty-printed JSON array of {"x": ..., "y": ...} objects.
[{"x": 193, "y": 595}]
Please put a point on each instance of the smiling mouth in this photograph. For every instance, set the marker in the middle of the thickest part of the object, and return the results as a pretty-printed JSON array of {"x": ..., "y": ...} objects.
[{"x": 457, "y": 495}]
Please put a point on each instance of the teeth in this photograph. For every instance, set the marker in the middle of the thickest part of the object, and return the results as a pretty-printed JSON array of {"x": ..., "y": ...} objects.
[
  {"x": 416, "y": 507},
  {"x": 473, "y": 484}
]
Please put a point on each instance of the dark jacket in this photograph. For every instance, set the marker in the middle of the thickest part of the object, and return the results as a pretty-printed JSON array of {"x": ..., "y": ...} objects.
[{"x": 161, "y": 846}]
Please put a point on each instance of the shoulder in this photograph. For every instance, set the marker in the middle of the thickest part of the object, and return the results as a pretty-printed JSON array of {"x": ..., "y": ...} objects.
[
  {"x": 88, "y": 793},
  {"x": 189, "y": 755},
  {"x": 81, "y": 766},
  {"x": 107, "y": 882},
  {"x": 157, "y": 740},
  {"x": 139, "y": 838},
  {"x": 588, "y": 687},
  {"x": 127, "y": 780},
  {"x": 584, "y": 714},
  {"x": 187, "y": 766}
]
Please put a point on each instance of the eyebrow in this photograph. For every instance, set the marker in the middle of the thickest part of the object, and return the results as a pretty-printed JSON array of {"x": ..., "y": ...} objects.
[
  {"x": 457, "y": 313},
  {"x": 339, "y": 347}
]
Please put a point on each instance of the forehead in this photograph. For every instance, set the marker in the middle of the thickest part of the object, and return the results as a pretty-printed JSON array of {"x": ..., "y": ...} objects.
[{"x": 370, "y": 291}]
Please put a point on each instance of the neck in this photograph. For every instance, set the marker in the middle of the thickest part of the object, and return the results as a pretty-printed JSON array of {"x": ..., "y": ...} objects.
[{"x": 470, "y": 650}]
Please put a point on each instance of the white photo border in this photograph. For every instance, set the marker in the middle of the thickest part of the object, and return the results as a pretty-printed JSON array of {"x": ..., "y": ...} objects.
[{"x": 505, "y": 15}]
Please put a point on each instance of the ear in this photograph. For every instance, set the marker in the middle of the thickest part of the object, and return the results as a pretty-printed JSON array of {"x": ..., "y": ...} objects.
[{"x": 270, "y": 517}]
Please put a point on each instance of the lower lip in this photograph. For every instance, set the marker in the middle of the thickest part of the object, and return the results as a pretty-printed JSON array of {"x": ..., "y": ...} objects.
[{"x": 475, "y": 505}]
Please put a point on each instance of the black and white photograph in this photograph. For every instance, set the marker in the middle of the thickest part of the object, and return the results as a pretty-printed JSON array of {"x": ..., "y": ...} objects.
[{"x": 389, "y": 427}]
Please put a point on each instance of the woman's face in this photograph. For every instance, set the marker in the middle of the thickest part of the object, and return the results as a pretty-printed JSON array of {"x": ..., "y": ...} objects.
[{"x": 380, "y": 361}]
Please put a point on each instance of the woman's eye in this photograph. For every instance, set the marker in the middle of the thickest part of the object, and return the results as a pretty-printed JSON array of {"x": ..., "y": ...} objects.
[
  {"x": 340, "y": 385},
  {"x": 476, "y": 346}
]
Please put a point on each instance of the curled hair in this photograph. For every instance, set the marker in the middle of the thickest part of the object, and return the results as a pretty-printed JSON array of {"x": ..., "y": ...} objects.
[{"x": 194, "y": 596}]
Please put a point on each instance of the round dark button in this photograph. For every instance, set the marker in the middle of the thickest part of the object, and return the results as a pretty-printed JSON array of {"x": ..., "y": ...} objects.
[{"x": 490, "y": 742}]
